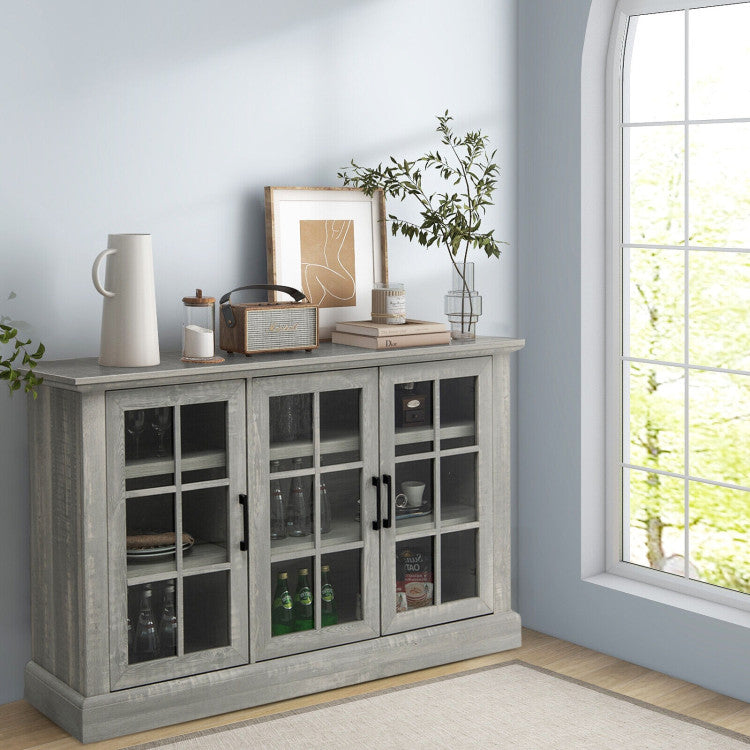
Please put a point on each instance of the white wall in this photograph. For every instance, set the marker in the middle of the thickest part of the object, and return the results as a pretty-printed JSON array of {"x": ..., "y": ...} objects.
[
  {"x": 553, "y": 597},
  {"x": 169, "y": 117}
]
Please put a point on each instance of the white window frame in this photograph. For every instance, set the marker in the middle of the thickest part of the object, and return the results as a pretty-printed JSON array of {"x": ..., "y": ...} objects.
[{"x": 614, "y": 510}]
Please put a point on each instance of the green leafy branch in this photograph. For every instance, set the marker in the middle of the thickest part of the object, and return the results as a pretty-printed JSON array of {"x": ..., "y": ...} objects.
[
  {"x": 450, "y": 218},
  {"x": 19, "y": 378}
]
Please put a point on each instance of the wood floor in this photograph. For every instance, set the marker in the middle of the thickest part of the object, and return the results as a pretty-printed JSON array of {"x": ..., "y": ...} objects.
[{"x": 23, "y": 728}]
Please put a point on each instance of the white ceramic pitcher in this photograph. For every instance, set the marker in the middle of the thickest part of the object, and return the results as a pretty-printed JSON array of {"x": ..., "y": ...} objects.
[{"x": 130, "y": 337}]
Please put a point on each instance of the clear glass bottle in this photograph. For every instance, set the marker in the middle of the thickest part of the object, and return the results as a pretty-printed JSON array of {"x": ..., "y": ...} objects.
[
  {"x": 146, "y": 640},
  {"x": 198, "y": 328},
  {"x": 278, "y": 519},
  {"x": 325, "y": 510},
  {"x": 168, "y": 624},
  {"x": 300, "y": 506}
]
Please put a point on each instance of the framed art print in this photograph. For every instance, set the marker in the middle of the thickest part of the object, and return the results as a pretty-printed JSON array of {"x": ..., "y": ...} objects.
[{"x": 331, "y": 243}]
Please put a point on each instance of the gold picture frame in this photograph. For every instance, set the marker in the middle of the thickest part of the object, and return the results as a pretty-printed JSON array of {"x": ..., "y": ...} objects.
[{"x": 331, "y": 243}]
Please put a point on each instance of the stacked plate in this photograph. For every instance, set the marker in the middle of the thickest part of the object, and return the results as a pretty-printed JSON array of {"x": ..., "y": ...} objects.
[{"x": 153, "y": 553}]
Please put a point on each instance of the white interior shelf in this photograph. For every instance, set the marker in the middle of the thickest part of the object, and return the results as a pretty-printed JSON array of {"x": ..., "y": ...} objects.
[
  {"x": 347, "y": 442},
  {"x": 406, "y": 435},
  {"x": 199, "y": 556},
  {"x": 342, "y": 532},
  {"x": 197, "y": 461},
  {"x": 451, "y": 515}
]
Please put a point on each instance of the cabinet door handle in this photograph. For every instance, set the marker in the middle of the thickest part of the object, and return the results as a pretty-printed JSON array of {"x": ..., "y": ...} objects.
[
  {"x": 387, "y": 483},
  {"x": 245, "y": 522},
  {"x": 376, "y": 485}
]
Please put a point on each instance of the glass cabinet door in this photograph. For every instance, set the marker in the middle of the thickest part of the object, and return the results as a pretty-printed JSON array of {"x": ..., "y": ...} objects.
[
  {"x": 436, "y": 454},
  {"x": 176, "y": 468},
  {"x": 314, "y": 560}
]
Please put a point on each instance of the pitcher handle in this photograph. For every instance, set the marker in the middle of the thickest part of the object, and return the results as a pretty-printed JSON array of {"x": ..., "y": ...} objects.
[{"x": 95, "y": 272}]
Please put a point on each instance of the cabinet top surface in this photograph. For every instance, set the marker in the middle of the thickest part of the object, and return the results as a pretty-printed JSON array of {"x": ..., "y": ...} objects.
[{"x": 82, "y": 373}]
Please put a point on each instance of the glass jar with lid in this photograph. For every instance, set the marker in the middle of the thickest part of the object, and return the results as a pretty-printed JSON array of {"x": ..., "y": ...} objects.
[{"x": 198, "y": 328}]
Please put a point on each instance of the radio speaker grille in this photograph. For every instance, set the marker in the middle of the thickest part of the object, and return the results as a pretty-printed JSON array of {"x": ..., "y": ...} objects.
[{"x": 281, "y": 328}]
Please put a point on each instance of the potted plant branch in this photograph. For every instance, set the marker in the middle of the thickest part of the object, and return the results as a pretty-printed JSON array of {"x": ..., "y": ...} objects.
[
  {"x": 9, "y": 362},
  {"x": 452, "y": 218}
]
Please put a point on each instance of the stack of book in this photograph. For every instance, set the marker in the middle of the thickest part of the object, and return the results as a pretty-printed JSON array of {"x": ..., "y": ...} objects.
[{"x": 381, "y": 336}]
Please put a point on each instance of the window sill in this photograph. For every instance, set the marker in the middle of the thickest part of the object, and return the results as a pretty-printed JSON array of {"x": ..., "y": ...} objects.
[{"x": 676, "y": 599}]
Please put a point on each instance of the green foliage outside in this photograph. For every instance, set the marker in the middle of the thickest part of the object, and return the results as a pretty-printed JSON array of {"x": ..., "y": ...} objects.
[{"x": 718, "y": 307}]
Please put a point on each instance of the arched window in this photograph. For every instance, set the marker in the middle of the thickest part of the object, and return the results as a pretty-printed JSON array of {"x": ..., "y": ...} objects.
[{"x": 678, "y": 410}]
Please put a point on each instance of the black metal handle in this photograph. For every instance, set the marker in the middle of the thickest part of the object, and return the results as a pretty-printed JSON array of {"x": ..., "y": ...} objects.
[
  {"x": 245, "y": 522},
  {"x": 387, "y": 483},
  {"x": 376, "y": 484}
]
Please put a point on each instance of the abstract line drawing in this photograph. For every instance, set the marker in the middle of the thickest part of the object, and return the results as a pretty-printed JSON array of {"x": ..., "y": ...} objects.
[{"x": 327, "y": 259}]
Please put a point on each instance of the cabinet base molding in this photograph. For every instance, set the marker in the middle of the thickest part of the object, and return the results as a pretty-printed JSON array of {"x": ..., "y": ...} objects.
[{"x": 102, "y": 717}]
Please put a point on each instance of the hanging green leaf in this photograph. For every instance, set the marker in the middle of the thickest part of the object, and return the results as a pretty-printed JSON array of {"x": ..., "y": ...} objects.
[{"x": 23, "y": 377}]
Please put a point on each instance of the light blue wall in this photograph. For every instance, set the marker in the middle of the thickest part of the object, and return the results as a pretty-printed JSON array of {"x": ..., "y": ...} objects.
[
  {"x": 552, "y": 596},
  {"x": 169, "y": 117}
]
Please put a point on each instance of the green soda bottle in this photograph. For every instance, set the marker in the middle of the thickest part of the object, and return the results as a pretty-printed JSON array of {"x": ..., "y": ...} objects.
[
  {"x": 303, "y": 602},
  {"x": 282, "y": 614},
  {"x": 328, "y": 615}
]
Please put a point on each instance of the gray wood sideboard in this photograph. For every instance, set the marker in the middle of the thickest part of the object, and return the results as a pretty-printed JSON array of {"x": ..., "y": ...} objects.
[{"x": 382, "y": 473}]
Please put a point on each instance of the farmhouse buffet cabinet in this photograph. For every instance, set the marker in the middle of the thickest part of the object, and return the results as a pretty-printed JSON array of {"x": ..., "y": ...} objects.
[{"x": 207, "y": 538}]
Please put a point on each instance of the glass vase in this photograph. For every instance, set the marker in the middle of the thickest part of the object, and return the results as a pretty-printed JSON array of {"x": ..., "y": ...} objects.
[{"x": 463, "y": 304}]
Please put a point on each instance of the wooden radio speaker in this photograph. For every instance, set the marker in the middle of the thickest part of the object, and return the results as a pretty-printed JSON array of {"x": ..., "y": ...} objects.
[{"x": 257, "y": 327}]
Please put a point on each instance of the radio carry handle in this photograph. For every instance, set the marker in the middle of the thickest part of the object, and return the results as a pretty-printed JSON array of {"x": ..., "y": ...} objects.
[{"x": 228, "y": 313}]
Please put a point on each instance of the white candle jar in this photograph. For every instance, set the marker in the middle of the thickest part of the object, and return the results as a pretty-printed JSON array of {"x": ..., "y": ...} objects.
[
  {"x": 388, "y": 303},
  {"x": 198, "y": 328}
]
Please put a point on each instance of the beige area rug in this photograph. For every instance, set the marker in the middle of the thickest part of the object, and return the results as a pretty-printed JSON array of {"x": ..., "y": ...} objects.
[{"x": 513, "y": 705}]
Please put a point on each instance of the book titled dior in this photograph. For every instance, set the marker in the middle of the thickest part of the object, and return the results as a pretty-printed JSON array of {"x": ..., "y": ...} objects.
[
  {"x": 391, "y": 342},
  {"x": 371, "y": 335}
]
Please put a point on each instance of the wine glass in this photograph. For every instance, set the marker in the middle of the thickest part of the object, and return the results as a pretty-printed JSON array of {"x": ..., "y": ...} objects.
[
  {"x": 160, "y": 424},
  {"x": 135, "y": 423}
]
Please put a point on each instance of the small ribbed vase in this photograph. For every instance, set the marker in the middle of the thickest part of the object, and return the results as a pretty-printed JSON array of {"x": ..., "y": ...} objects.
[{"x": 463, "y": 304}]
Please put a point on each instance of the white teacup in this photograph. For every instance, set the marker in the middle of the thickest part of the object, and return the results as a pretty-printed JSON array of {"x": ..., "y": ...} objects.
[{"x": 411, "y": 497}]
